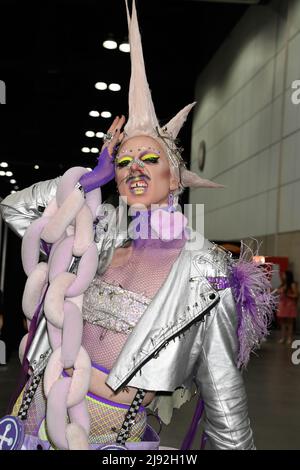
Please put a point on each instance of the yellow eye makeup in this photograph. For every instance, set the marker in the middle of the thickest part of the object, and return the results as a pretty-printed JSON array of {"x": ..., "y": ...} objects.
[
  {"x": 123, "y": 161},
  {"x": 150, "y": 157}
]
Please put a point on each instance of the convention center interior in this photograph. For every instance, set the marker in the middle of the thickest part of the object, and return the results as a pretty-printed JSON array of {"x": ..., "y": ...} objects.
[{"x": 149, "y": 225}]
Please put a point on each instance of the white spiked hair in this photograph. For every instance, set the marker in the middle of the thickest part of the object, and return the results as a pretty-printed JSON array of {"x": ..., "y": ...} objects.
[{"x": 142, "y": 119}]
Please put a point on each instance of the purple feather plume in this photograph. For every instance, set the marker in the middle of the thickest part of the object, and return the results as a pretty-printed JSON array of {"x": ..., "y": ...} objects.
[{"x": 255, "y": 301}]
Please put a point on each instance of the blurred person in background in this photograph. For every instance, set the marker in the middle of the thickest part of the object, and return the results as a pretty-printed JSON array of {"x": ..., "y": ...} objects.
[{"x": 287, "y": 310}]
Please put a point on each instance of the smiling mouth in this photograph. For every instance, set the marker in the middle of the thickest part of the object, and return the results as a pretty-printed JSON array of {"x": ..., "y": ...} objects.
[{"x": 138, "y": 184}]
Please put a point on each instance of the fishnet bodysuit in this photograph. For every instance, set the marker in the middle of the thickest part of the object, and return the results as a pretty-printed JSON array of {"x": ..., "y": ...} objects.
[{"x": 144, "y": 273}]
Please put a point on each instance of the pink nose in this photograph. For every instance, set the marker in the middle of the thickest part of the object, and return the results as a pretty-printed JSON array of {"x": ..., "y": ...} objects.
[{"x": 135, "y": 166}]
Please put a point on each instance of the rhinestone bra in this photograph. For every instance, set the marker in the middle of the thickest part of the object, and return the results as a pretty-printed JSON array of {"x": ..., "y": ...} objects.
[{"x": 113, "y": 307}]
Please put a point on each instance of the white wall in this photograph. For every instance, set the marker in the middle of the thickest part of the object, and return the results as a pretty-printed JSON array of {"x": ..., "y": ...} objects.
[{"x": 251, "y": 128}]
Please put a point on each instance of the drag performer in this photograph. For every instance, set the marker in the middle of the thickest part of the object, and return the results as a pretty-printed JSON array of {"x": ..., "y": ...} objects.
[{"x": 122, "y": 321}]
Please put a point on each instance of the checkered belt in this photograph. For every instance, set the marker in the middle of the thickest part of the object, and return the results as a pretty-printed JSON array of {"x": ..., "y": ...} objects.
[
  {"x": 130, "y": 416},
  {"x": 28, "y": 396}
]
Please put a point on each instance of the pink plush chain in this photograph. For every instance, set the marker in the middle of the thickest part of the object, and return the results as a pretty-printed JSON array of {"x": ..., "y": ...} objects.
[{"x": 67, "y": 224}]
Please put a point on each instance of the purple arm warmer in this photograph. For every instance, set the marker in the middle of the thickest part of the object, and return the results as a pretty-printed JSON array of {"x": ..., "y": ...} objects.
[{"x": 101, "y": 174}]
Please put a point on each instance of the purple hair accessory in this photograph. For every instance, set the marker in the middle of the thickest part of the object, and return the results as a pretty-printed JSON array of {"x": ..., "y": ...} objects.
[
  {"x": 255, "y": 301},
  {"x": 101, "y": 174}
]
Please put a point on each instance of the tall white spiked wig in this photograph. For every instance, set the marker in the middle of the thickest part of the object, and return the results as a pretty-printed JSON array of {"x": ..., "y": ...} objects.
[{"x": 142, "y": 119}]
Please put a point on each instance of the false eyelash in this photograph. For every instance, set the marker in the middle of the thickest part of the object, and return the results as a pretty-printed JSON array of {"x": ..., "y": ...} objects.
[
  {"x": 150, "y": 157},
  {"x": 151, "y": 160},
  {"x": 122, "y": 164}
]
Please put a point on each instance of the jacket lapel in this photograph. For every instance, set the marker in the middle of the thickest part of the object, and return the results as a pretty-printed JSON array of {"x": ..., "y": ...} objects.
[{"x": 185, "y": 297}]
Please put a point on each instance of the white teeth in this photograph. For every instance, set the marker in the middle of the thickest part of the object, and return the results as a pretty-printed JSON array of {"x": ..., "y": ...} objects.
[{"x": 138, "y": 184}]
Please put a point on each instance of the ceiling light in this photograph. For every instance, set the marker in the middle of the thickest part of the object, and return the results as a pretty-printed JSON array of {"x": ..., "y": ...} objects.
[
  {"x": 36, "y": 167},
  {"x": 85, "y": 150},
  {"x": 94, "y": 113},
  {"x": 2, "y": 173},
  {"x": 16, "y": 187},
  {"x": 9, "y": 173},
  {"x": 4, "y": 164},
  {"x": 110, "y": 44},
  {"x": 94, "y": 150},
  {"x": 100, "y": 135},
  {"x": 105, "y": 114},
  {"x": 124, "y": 47},
  {"x": 12, "y": 192},
  {"x": 101, "y": 85},
  {"x": 12, "y": 181},
  {"x": 90, "y": 133},
  {"x": 114, "y": 87}
]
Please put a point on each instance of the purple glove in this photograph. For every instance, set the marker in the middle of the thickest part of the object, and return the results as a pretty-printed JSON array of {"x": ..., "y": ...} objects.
[{"x": 101, "y": 174}]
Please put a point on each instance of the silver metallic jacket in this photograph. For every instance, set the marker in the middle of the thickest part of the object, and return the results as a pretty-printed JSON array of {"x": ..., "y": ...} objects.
[{"x": 187, "y": 335}]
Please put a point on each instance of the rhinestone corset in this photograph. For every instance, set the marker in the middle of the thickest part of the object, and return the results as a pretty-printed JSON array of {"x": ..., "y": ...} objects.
[{"x": 113, "y": 307}]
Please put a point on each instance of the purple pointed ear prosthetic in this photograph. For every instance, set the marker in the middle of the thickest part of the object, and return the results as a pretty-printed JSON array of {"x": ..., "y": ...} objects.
[{"x": 189, "y": 179}]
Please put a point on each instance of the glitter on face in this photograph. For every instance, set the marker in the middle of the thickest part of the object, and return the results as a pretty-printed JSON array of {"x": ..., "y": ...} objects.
[
  {"x": 139, "y": 149},
  {"x": 144, "y": 157},
  {"x": 155, "y": 166}
]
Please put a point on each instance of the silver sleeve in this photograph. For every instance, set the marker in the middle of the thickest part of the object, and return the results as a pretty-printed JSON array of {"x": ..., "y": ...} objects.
[
  {"x": 21, "y": 208},
  {"x": 221, "y": 385}
]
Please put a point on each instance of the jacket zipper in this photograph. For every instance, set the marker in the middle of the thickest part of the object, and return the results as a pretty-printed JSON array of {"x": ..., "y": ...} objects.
[{"x": 156, "y": 352}]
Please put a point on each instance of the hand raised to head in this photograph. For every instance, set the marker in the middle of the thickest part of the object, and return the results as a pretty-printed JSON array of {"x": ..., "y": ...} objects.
[{"x": 115, "y": 134}]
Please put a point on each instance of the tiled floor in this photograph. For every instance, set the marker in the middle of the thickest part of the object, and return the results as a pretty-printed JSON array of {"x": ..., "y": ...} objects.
[{"x": 273, "y": 386}]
